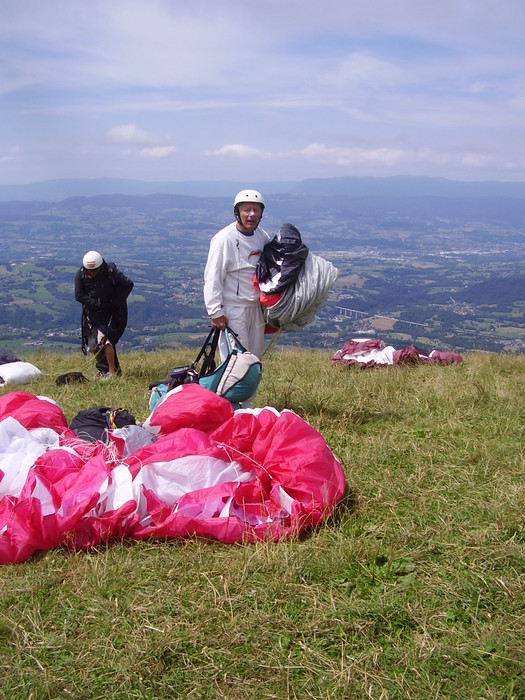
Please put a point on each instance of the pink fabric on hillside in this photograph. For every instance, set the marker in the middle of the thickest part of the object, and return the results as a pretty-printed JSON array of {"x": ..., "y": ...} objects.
[
  {"x": 202, "y": 470},
  {"x": 374, "y": 353}
]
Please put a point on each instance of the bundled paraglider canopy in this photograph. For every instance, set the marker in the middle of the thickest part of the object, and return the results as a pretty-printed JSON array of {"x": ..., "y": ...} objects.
[
  {"x": 15, "y": 371},
  {"x": 368, "y": 353},
  {"x": 194, "y": 467},
  {"x": 293, "y": 282},
  {"x": 282, "y": 261}
]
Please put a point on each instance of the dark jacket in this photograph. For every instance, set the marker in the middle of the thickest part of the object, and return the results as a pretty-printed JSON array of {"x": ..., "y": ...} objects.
[
  {"x": 103, "y": 299},
  {"x": 281, "y": 261}
]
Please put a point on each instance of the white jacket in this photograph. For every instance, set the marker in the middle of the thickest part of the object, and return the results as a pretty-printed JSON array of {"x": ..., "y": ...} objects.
[{"x": 230, "y": 268}]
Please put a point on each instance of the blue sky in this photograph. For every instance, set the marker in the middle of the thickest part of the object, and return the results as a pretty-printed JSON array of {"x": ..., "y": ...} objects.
[{"x": 271, "y": 90}]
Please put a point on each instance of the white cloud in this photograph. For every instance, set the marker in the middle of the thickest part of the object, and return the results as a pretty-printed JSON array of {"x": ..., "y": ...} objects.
[
  {"x": 128, "y": 133},
  {"x": 158, "y": 152},
  {"x": 410, "y": 160},
  {"x": 352, "y": 156},
  {"x": 239, "y": 150},
  {"x": 11, "y": 153},
  {"x": 363, "y": 69}
]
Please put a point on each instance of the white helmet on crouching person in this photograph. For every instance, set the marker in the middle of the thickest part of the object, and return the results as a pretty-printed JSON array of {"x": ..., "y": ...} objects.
[
  {"x": 92, "y": 260},
  {"x": 247, "y": 196}
]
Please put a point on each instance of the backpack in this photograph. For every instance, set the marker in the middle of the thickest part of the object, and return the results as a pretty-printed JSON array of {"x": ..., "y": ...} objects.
[
  {"x": 235, "y": 379},
  {"x": 238, "y": 376},
  {"x": 70, "y": 378},
  {"x": 92, "y": 424}
]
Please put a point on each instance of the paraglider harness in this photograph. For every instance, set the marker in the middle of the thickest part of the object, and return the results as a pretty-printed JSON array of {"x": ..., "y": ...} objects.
[
  {"x": 98, "y": 351},
  {"x": 86, "y": 330},
  {"x": 236, "y": 378}
]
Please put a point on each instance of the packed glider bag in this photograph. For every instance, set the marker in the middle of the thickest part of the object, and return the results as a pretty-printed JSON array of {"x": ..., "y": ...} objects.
[
  {"x": 18, "y": 373},
  {"x": 293, "y": 282},
  {"x": 236, "y": 378},
  {"x": 193, "y": 468},
  {"x": 94, "y": 423}
]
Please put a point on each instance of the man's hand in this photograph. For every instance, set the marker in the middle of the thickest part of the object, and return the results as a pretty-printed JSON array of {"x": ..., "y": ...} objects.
[{"x": 221, "y": 322}]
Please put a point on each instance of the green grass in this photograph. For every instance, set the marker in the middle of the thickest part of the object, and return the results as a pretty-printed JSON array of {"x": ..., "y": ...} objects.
[{"x": 415, "y": 587}]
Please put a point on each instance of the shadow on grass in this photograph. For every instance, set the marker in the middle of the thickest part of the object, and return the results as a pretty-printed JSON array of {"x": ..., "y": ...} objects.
[{"x": 346, "y": 506}]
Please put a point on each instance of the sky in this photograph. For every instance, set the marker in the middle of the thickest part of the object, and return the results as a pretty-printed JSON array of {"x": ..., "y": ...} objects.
[{"x": 275, "y": 90}]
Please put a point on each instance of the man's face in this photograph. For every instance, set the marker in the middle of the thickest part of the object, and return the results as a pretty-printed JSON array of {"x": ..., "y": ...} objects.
[
  {"x": 93, "y": 273},
  {"x": 250, "y": 214}
]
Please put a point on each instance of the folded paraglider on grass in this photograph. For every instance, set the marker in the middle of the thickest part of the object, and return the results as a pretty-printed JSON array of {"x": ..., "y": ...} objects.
[
  {"x": 369, "y": 353},
  {"x": 193, "y": 468}
]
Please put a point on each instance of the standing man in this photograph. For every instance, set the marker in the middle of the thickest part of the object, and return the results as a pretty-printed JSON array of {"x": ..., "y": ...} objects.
[
  {"x": 102, "y": 289},
  {"x": 230, "y": 295}
]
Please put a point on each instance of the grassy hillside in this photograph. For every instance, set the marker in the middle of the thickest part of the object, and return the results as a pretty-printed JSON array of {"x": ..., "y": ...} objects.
[{"x": 415, "y": 588}]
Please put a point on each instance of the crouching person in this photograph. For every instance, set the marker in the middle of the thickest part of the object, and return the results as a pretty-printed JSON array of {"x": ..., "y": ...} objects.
[{"x": 102, "y": 289}]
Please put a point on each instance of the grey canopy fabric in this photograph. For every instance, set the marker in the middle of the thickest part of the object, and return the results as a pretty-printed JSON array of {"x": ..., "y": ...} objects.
[{"x": 293, "y": 282}]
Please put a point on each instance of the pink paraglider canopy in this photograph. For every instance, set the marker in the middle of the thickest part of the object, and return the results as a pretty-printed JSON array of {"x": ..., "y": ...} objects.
[
  {"x": 194, "y": 467},
  {"x": 375, "y": 353}
]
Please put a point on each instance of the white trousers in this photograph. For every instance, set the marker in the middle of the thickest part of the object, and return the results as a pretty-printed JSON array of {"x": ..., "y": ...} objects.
[{"x": 247, "y": 322}]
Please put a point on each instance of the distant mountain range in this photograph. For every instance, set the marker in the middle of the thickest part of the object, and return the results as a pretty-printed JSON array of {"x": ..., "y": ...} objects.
[
  {"x": 58, "y": 190},
  {"x": 399, "y": 187}
]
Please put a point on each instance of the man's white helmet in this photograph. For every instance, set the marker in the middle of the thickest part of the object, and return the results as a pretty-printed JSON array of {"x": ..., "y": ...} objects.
[
  {"x": 92, "y": 260},
  {"x": 248, "y": 196}
]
